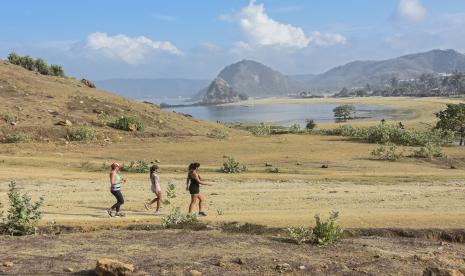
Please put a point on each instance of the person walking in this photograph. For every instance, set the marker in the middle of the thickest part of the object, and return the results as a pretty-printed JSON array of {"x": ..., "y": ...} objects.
[
  {"x": 115, "y": 188},
  {"x": 156, "y": 188},
  {"x": 193, "y": 183}
]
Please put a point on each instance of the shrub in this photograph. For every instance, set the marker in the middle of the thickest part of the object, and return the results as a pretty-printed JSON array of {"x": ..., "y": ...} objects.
[
  {"x": 429, "y": 151},
  {"x": 23, "y": 215},
  {"x": 388, "y": 152},
  {"x": 27, "y": 62},
  {"x": 295, "y": 128},
  {"x": 344, "y": 112},
  {"x": 310, "y": 124},
  {"x": 218, "y": 133},
  {"x": 326, "y": 232},
  {"x": 139, "y": 166},
  {"x": 19, "y": 137},
  {"x": 260, "y": 130},
  {"x": 232, "y": 166},
  {"x": 170, "y": 193},
  {"x": 301, "y": 234},
  {"x": 13, "y": 58},
  {"x": 56, "y": 70},
  {"x": 176, "y": 219},
  {"x": 128, "y": 124},
  {"x": 9, "y": 117},
  {"x": 41, "y": 66},
  {"x": 81, "y": 134}
]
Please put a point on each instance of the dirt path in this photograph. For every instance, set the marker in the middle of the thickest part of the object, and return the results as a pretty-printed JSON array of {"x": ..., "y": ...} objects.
[{"x": 176, "y": 252}]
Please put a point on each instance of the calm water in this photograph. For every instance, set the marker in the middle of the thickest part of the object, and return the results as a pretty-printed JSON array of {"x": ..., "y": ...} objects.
[{"x": 279, "y": 114}]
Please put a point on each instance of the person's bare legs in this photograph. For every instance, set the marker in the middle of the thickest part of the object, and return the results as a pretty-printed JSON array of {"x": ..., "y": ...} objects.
[
  {"x": 193, "y": 201},
  {"x": 201, "y": 200},
  {"x": 158, "y": 199}
]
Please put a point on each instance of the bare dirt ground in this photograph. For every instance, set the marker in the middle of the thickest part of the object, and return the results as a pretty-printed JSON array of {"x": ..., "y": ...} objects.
[{"x": 177, "y": 252}]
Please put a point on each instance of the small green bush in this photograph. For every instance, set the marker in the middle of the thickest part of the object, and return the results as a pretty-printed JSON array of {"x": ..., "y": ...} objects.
[
  {"x": 56, "y": 70},
  {"x": 139, "y": 166},
  {"x": 295, "y": 128},
  {"x": 9, "y": 117},
  {"x": 310, "y": 124},
  {"x": 429, "y": 151},
  {"x": 260, "y": 130},
  {"x": 218, "y": 133},
  {"x": 15, "y": 138},
  {"x": 326, "y": 232},
  {"x": 176, "y": 219},
  {"x": 323, "y": 233},
  {"x": 301, "y": 234},
  {"x": 41, "y": 66},
  {"x": 23, "y": 214},
  {"x": 128, "y": 124},
  {"x": 232, "y": 166},
  {"x": 386, "y": 152},
  {"x": 170, "y": 193},
  {"x": 81, "y": 134}
]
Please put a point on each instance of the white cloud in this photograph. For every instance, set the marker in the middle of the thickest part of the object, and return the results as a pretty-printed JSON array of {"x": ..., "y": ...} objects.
[
  {"x": 263, "y": 30},
  {"x": 132, "y": 50},
  {"x": 412, "y": 10}
]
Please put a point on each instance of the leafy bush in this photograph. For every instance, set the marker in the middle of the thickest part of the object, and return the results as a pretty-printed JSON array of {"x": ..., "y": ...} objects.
[
  {"x": 386, "y": 152},
  {"x": 218, "y": 133},
  {"x": 27, "y": 62},
  {"x": 19, "y": 137},
  {"x": 326, "y": 232},
  {"x": 310, "y": 124},
  {"x": 323, "y": 233},
  {"x": 81, "y": 134},
  {"x": 128, "y": 124},
  {"x": 301, "y": 234},
  {"x": 9, "y": 117},
  {"x": 260, "y": 130},
  {"x": 41, "y": 66},
  {"x": 170, "y": 193},
  {"x": 344, "y": 112},
  {"x": 295, "y": 128},
  {"x": 14, "y": 58},
  {"x": 176, "y": 219},
  {"x": 232, "y": 166},
  {"x": 139, "y": 166},
  {"x": 23, "y": 215},
  {"x": 384, "y": 134},
  {"x": 429, "y": 151},
  {"x": 56, "y": 70}
]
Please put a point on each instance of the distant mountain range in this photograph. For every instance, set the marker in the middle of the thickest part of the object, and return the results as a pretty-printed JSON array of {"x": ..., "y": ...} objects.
[
  {"x": 254, "y": 79},
  {"x": 360, "y": 73},
  {"x": 153, "y": 88}
]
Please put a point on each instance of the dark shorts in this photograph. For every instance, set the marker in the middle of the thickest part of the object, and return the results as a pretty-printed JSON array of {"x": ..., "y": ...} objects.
[{"x": 194, "y": 190}]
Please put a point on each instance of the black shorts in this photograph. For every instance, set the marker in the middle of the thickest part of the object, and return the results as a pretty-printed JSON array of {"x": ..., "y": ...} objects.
[{"x": 194, "y": 190}]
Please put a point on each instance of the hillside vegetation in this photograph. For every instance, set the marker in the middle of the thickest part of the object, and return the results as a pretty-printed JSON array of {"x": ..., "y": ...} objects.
[{"x": 41, "y": 107}]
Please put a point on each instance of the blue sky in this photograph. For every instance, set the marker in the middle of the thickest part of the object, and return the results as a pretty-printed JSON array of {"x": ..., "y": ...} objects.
[{"x": 195, "y": 39}]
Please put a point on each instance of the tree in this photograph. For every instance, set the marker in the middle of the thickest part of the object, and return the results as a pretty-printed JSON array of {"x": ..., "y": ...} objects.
[
  {"x": 57, "y": 70},
  {"x": 310, "y": 124},
  {"x": 13, "y": 58},
  {"x": 344, "y": 111},
  {"x": 27, "y": 62},
  {"x": 453, "y": 119},
  {"x": 41, "y": 66}
]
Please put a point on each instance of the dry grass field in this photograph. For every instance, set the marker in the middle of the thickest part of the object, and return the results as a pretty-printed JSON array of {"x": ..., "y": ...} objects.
[{"x": 73, "y": 178}]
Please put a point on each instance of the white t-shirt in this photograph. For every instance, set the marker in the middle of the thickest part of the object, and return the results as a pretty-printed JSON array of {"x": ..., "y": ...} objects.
[{"x": 155, "y": 179}]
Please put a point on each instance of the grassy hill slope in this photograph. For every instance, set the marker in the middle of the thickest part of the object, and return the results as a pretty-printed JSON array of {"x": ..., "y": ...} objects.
[{"x": 37, "y": 103}]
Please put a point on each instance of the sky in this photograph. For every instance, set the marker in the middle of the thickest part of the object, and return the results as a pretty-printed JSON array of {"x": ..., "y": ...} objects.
[{"x": 196, "y": 39}]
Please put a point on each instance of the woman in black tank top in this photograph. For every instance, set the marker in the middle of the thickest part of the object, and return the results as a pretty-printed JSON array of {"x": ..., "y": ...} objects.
[{"x": 193, "y": 183}]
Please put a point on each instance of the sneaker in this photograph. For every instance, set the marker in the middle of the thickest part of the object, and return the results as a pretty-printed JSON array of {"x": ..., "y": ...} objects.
[
  {"x": 119, "y": 214},
  {"x": 147, "y": 206},
  {"x": 157, "y": 213},
  {"x": 202, "y": 214},
  {"x": 108, "y": 212}
]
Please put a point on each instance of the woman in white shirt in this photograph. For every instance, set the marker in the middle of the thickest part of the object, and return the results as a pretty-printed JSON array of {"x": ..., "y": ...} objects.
[{"x": 156, "y": 188}]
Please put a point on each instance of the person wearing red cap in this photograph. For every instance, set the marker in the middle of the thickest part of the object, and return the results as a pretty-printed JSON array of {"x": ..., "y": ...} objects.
[{"x": 115, "y": 189}]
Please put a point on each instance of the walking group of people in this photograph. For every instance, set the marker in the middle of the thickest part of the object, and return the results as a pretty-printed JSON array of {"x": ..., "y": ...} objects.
[{"x": 193, "y": 182}]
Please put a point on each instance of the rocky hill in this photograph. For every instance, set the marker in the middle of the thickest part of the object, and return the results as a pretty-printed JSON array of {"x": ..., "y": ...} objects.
[
  {"x": 46, "y": 108},
  {"x": 220, "y": 92},
  {"x": 254, "y": 79},
  {"x": 360, "y": 73}
]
